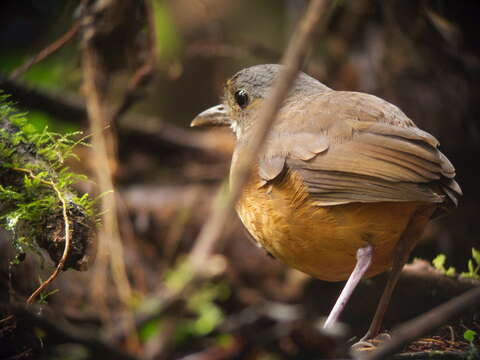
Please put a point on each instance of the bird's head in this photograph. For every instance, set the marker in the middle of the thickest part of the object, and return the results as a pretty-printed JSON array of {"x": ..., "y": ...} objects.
[{"x": 244, "y": 94}]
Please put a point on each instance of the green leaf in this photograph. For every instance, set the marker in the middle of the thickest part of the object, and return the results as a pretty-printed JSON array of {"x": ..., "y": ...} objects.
[
  {"x": 439, "y": 262},
  {"x": 43, "y": 296},
  {"x": 451, "y": 271},
  {"x": 179, "y": 276},
  {"x": 469, "y": 335},
  {"x": 476, "y": 255},
  {"x": 224, "y": 340},
  {"x": 149, "y": 330},
  {"x": 471, "y": 268},
  {"x": 209, "y": 317}
]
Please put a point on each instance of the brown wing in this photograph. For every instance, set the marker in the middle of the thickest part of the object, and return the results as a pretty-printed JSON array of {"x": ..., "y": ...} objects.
[{"x": 359, "y": 148}]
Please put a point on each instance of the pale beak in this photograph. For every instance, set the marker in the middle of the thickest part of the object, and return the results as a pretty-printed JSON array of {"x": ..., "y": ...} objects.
[{"x": 215, "y": 116}]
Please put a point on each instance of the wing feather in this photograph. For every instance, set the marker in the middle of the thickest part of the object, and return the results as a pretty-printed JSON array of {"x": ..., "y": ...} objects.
[{"x": 368, "y": 154}]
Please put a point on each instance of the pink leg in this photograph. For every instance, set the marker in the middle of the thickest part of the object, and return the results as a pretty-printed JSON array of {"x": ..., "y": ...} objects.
[
  {"x": 405, "y": 245},
  {"x": 364, "y": 259}
]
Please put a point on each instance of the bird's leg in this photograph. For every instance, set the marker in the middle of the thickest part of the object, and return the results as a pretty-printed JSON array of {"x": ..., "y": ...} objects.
[
  {"x": 364, "y": 259},
  {"x": 403, "y": 249},
  {"x": 398, "y": 262}
]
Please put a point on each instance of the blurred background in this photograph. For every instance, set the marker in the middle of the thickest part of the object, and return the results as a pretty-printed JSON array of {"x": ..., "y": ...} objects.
[{"x": 155, "y": 65}]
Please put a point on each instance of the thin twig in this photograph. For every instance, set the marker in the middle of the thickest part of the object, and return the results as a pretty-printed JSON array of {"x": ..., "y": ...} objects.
[
  {"x": 49, "y": 50},
  {"x": 213, "y": 228},
  {"x": 111, "y": 250},
  {"x": 427, "y": 322},
  {"x": 6, "y": 318},
  {"x": 292, "y": 62},
  {"x": 99, "y": 116},
  {"x": 154, "y": 130},
  {"x": 66, "y": 250}
]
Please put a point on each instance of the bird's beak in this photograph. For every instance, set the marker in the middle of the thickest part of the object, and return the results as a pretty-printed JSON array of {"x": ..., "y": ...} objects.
[{"x": 215, "y": 116}]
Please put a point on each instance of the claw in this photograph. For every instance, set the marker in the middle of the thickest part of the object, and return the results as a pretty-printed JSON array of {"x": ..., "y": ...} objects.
[{"x": 363, "y": 347}]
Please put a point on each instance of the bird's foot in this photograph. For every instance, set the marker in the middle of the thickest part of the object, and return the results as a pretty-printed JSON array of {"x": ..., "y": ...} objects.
[{"x": 365, "y": 346}]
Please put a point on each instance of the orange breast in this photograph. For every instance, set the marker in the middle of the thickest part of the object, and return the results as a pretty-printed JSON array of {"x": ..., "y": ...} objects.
[{"x": 321, "y": 241}]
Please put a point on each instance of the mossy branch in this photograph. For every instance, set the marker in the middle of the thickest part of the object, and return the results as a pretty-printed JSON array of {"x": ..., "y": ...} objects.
[
  {"x": 66, "y": 249},
  {"x": 37, "y": 203}
]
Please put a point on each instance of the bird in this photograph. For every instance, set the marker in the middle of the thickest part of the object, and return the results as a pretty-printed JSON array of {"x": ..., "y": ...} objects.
[{"x": 344, "y": 184}]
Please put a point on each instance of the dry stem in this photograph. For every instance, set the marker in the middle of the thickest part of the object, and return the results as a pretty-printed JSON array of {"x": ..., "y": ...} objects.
[
  {"x": 96, "y": 78},
  {"x": 212, "y": 230},
  {"x": 427, "y": 322},
  {"x": 109, "y": 236},
  {"x": 292, "y": 62},
  {"x": 66, "y": 250},
  {"x": 49, "y": 50}
]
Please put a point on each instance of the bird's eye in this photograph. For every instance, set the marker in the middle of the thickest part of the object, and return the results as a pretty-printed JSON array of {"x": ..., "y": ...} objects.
[{"x": 241, "y": 97}]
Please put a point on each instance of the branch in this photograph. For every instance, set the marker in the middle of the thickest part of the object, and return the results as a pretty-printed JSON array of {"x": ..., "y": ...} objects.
[
  {"x": 292, "y": 62},
  {"x": 212, "y": 229},
  {"x": 427, "y": 322},
  {"x": 49, "y": 50},
  {"x": 66, "y": 225},
  {"x": 67, "y": 234},
  {"x": 95, "y": 85},
  {"x": 432, "y": 355},
  {"x": 72, "y": 108}
]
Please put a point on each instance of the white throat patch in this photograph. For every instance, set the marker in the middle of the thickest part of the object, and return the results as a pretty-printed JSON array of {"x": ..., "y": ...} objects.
[{"x": 236, "y": 129}]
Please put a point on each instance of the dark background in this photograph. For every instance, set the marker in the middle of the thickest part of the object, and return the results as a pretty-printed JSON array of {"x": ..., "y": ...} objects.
[{"x": 423, "y": 56}]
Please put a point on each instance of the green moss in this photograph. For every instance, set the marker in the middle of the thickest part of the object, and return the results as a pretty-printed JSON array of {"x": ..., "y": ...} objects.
[
  {"x": 473, "y": 266},
  {"x": 33, "y": 180},
  {"x": 439, "y": 264}
]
